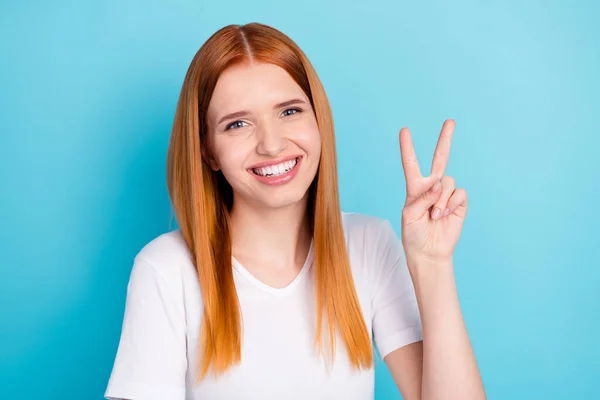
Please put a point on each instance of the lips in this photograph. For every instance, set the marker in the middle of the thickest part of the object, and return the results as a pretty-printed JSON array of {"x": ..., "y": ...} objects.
[
  {"x": 276, "y": 169},
  {"x": 274, "y": 162},
  {"x": 276, "y": 172}
]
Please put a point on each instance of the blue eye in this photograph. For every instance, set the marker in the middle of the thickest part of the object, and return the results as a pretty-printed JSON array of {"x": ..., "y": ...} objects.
[
  {"x": 291, "y": 111},
  {"x": 235, "y": 125}
]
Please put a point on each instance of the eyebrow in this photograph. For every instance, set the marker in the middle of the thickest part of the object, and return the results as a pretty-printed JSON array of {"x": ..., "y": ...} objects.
[{"x": 239, "y": 114}]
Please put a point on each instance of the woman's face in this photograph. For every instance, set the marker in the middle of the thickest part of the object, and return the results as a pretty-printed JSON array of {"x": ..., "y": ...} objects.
[{"x": 263, "y": 135}]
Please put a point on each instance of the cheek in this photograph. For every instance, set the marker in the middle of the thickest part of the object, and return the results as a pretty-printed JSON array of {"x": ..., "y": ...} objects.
[
  {"x": 230, "y": 154},
  {"x": 308, "y": 137}
]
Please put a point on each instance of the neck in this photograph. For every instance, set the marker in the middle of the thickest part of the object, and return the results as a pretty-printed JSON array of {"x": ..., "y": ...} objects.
[{"x": 279, "y": 236}]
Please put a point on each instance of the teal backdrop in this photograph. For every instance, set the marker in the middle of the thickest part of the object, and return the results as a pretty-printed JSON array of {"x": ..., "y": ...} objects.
[{"x": 87, "y": 95}]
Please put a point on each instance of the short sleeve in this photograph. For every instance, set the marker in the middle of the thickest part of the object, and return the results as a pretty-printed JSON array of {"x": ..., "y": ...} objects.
[
  {"x": 396, "y": 318},
  {"x": 151, "y": 360}
]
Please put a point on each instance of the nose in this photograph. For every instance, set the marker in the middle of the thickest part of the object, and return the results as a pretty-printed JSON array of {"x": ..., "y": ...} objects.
[{"x": 270, "y": 141}]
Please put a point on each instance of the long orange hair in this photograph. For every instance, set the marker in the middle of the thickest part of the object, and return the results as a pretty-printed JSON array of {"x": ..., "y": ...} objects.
[{"x": 202, "y": 199}]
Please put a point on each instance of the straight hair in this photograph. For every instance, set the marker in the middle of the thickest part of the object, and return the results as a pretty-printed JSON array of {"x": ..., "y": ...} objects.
[{"x": 202, "y": 200}]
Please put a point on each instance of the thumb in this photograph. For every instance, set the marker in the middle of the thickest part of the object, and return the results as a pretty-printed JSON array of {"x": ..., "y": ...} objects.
[{"x": 422, "y": 204}]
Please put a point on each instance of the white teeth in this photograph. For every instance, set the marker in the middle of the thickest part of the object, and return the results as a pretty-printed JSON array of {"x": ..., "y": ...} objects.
[{"x": 276, "y": 170}]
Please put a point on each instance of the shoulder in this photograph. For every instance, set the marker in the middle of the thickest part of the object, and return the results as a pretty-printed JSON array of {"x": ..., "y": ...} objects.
[
  {"x": 366, "y": 227},
  {"x": 166, "y": 256},
  {"x": 372, "y": 242},
  {"x": 168, "y": 247}
]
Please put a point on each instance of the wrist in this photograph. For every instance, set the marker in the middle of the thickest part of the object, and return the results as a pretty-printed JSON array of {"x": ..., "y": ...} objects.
[
  {"x": 425, "y": 270},
  {"x": 425, "y": 262}
]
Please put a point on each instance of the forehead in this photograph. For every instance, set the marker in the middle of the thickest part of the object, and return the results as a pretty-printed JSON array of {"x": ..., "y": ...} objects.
[{"x": 245, "y": 86}]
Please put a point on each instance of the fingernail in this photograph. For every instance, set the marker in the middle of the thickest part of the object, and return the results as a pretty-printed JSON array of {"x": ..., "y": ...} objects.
[
  {"x": 436, "y": 187},
  {"x": 436, "y": 213},
  {"x": 446, "y": 212}
]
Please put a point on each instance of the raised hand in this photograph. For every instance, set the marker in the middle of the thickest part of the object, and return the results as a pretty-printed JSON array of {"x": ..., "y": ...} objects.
[{"x": 434, "y": 211}]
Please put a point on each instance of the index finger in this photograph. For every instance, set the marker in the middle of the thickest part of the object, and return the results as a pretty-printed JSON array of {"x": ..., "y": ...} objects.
[
  {"x": 410, "y": 164},
  {"x": 442, "y": 150}
]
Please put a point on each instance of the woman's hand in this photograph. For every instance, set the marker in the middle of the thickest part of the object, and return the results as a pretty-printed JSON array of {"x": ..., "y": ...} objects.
[{"x": 434, "y": 211}]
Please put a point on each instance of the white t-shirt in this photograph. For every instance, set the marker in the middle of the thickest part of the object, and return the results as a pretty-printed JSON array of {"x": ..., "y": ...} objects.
[{"x": 157, "y": 353}]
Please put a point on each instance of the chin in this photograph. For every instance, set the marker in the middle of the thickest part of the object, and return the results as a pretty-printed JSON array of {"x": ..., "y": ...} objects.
[{"x": 283, "y": 199}]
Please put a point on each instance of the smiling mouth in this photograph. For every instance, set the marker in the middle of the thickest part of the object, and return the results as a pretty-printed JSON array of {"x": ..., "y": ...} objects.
[{"x": 277, "y": 169}]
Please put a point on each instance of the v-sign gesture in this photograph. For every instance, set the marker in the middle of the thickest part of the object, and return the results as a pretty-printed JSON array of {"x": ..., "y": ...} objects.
[
  {"x": 432, "y": 220},
  {"x": 434, "y": 212}
]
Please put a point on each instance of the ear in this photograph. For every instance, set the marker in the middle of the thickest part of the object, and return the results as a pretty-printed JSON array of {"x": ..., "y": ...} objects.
[{"x": 212, "y": 163}]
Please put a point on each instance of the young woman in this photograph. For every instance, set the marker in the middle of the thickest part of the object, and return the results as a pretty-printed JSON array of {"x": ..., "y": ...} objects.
[{"x": 268, "y": 290}]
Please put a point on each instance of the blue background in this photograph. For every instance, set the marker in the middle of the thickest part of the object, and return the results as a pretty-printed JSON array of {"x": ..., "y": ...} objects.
[{"x": 87, "y": 96}]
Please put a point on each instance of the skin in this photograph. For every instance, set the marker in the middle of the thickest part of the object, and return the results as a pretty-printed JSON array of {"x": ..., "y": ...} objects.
[
  {"x": 443, "y": 365},
  {"x": 270, "y": 232}
]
